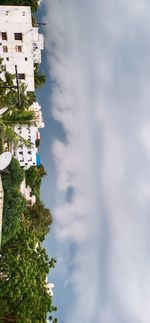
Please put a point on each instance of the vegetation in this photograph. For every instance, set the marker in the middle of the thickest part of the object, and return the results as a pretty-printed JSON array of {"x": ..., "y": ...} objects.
[
  {"x": 24, "y": 264},
  {"x": 23, "y": 292},
  {"x": 14, "y": 203},
  {"x": 39, "y": 78},
  {"x": 34, "y": 177},
  {"x": 32, "y": 3},
  {"x": 9, "y": 95},
  {"x": 14, "y": 114},
  {"x": 38, "y": 219}
]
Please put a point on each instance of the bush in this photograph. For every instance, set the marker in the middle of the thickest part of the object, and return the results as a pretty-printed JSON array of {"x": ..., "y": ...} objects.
[{"x": 14, "y": 203}]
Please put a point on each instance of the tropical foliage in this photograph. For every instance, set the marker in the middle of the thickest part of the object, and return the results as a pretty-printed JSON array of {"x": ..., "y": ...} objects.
[
  {"x": 34, "y": 176},
  {"x": 14, "y": 203},
  {"x": 14, "y": 114},
  {"x": 24, "y": 264},
  {"x": 38, "y": 219},
  {"x": 32, "y": 3},
  {"x": 39, "y": 78},
  {"x": 23, "y": 292}
]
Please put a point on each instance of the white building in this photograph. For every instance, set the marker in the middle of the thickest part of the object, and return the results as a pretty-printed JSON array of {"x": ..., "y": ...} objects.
[
  {"x": 50, "y": 288},
  {"x": 20, "y": 43},
  {"x": 27, "y": 192},
  {"x": 36, "y": 108},
  {"x": 27, "y": 156}
]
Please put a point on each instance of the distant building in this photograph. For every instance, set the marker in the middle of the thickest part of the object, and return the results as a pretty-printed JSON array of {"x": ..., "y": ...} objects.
[
  {"x": 27, "y": 192},
  {"x": 36, "y": 108},
  {"x": 27, "y": 156},
  {"x": 20, "y": 42},
  {"x": 50, "y": 288}
]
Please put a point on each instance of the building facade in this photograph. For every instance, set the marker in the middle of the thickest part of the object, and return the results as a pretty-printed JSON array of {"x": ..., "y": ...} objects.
[
  {"x": 29, "y": 156},
  {"x": 20, "y": 42},
  {"x": 27, "y": 192}
]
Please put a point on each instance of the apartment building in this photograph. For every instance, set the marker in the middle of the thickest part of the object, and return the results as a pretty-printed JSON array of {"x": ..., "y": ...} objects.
[
  {"x": 21, "y": 45},
  {"x": 27, "y": 192},
  {"x": 29, "y": 156},
  {"x": 36, "y": 108},
  {"x": 20, "y": 42}
]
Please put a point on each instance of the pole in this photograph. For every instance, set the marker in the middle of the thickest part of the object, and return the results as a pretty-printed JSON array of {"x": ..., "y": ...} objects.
[
  {"x": 14, "y": 86},
  {"x": 17, "y": 81}
]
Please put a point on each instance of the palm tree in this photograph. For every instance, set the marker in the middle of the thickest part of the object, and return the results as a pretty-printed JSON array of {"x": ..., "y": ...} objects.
[
  {"x": 9, "y": 97},
  {"x": 12, "y": 117},
  {"x": 38, "y": 77},
  {"x": 9, "y": 119}
]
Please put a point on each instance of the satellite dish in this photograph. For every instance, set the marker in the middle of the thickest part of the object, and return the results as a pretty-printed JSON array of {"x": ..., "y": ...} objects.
[
  {"x": 2, "y": 110},
  {"x": 5, "y": 160}
]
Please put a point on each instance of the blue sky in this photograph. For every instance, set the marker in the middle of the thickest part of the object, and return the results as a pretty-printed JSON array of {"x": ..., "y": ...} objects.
[{"x": 96, "y": 150}]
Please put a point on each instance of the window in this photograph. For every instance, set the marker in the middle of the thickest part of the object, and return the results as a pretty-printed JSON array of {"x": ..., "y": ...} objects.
[
  {"x": 4, "y": 36},
  {"x": 29, "y": 152},
  {"x": 7, "y": 58},
  {"x": 18, "y": 49},
  {"x": 26, "y": 59},
  {"x": 21, "y": 76},
  {"x": 21, "y": 152},
  {"x": 18, "y": 36},
  {"x": 5, "y": 49}
]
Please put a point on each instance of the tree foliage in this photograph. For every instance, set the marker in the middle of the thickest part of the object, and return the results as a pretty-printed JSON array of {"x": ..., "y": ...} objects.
[
  {"x": 14, "y": 203},
  {"x": 39, "y": 78},
  {"x": 34, "y": 177},
  {"x": 14, "y": 115},
  {"x": 32, "y": 3},
  {"x": 38, "y": 219},
  {"x": 23, "y": 292}
]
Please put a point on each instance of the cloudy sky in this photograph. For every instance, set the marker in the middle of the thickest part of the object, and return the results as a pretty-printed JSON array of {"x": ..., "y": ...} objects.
[{"x": 97, "y": 154}]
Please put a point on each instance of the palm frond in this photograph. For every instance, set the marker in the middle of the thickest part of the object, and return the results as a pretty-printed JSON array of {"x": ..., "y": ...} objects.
[{"x": 14, "y": 138}]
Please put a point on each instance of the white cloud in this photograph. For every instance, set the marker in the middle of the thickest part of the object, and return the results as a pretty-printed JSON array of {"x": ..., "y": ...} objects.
[{"x": 99, "y": 60}]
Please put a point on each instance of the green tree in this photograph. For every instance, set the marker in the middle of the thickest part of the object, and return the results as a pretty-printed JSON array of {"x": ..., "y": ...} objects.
[
  {"x": 14, "y": 203},
  {"x": 39, "y": 78},
  {"x": 11, "y": 118},
  {"x": 39, "y": 219},
  {"x": 9, "y": 97},
  {"x": 23, "y": 292},
  {"x": 32, "y": 3},
  {"x": 34, "y": 176}
]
